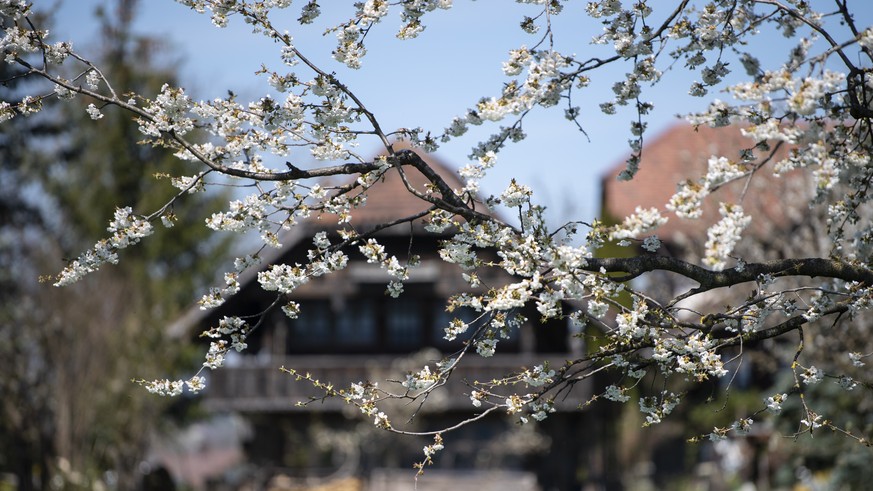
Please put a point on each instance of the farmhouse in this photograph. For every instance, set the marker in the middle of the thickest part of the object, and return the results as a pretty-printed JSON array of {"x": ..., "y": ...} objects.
[{"x": 350, "y": 331}]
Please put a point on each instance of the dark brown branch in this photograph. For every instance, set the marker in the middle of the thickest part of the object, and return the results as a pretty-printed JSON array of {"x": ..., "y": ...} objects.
[
  {"x": 812, "y": 25},
  {"x": 780, "y": 329},
  {"x": 708, "y": 279},
  {"x": 670, "y": 19},
  {"x": 449, "y": 201}
]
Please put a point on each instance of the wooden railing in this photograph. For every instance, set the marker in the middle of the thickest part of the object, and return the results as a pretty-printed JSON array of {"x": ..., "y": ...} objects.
[{"x": 258, "y": 385}]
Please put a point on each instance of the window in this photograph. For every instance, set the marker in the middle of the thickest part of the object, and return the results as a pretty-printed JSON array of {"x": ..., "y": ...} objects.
[
  {"x": 371, "y": 321},
  {"x": 404, "y": 321},
  {"x": 356, "y": 322},
  {"x": 442, "y": 319},
  {"x": 312, "y": 327}
]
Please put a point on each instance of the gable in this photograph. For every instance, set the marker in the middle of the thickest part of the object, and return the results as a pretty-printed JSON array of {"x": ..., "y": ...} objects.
[{"x": 680, "y": 153}]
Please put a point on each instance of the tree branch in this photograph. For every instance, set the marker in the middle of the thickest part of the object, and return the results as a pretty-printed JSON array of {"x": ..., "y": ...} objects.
[{"x": 708, "y": 279}]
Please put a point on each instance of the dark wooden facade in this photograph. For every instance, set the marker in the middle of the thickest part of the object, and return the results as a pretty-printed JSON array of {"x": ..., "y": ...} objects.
[{"x": 350, "y": 331}]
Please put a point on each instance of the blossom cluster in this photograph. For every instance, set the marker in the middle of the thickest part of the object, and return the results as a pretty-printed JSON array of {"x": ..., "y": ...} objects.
[
  {"x": 642, "y": 221},
  {"x": 126, "y": 228},
  {"x": 170, "y": 388},
  {"x": 724, "y": 235},
  {"x": 424, "y": 379}
]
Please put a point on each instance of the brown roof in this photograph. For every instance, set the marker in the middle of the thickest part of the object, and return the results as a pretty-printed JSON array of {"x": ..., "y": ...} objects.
[
  {"x": 386, "y": 201},
  {"x": 680, "y": 153},
  {"x": 389, "y": 199}
]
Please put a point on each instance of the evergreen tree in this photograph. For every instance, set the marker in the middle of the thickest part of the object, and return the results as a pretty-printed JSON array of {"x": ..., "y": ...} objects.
[
  {"x": 103, "y": 166},
  {"x": 26, "y": 428},
  {"x": 69, "y": 408}
]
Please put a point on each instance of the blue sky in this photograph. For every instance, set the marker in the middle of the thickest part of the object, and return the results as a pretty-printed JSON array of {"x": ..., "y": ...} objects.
[{"x": 427, "y": 81}]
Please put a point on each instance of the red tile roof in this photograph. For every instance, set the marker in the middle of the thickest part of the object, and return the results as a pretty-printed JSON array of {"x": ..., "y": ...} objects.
[{"x": 681, "y": 153}]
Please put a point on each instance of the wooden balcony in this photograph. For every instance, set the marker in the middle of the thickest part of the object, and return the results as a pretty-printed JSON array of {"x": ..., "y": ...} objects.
[{"x": 253, "y": 384}]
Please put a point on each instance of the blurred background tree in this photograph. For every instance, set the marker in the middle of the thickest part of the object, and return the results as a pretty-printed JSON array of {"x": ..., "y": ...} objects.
[{"x": 69, "y": 415}]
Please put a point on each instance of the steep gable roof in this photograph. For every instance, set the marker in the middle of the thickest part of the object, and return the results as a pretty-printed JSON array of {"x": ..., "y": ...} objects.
[
  {"x": 680, "y": 153},
  {"x": 387, "y": 201}
]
